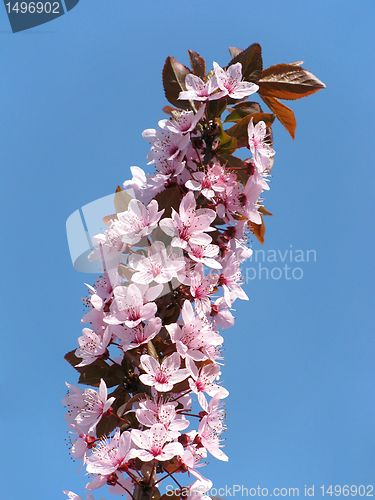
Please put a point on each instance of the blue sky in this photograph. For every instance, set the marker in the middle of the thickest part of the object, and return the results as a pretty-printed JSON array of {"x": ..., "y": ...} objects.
[{"x": 77, "y": 94}]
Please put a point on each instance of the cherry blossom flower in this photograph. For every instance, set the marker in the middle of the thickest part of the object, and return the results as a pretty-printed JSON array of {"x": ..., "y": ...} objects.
[
  {"x": 190, "y": 225},
  {"x": 205, "y": 183},
  {"x": 260, "y": 150},
  {"x": 110, "y": 455},
  {"x": 86, "y": 408},
  {"x": 152, "y": 444},
  {"x": 214, "y": 413},
  {"x": 197, "y": 90},
  {"x": 184, "y": 122},
  {"x": 152, "y": 412},
  {"x": 194, "y": 336},
  {"x": 138, "y": 221},
  {"x": 229, "y": 279},
  {"x": 230, "y": 81},
  {"x": 81, "y": 446},
  {"x": 91, "y": 345},
  {"x": 203, "y": 380},
  {"x": 164, "y": 376},
  {"x": 205, "y": 255},
  {"x": 210, "y": 440},
  {"x": 158, "y": 266},
  {"x": 134, "y": 337},
  {"x": 201, "y": 287},
  {"x": 221, "y": 316},
  {"x": 248, "y": 200},
  {"x": 128, "y": 307}
]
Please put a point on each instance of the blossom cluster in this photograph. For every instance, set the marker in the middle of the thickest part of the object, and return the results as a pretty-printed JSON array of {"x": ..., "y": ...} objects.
[{"x": 171, "y": 275}]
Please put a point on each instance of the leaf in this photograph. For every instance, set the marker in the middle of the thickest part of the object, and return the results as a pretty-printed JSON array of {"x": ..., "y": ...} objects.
[
  {"x": 234, "y": 52},
  {"x": 241, "y": 110},
  {"x": 168, "y": 110},
  {"x": 264, "y": 211},
  {"x": 251, "y": 60},
  {"x": 151, "y": 350},
  {"x": 198, "y": 64},
  {"x": 283, "y": 113},
  {"x": 288, "y": 81},
  {"x": 258, "y": 230},
  {"x": 239, "y": 130},
  {"x": 168, "y": 199},
  {"x": 122, "y": 199},
  {"x": 174, "y": 74},
  {"x": 227, "y": 143}
]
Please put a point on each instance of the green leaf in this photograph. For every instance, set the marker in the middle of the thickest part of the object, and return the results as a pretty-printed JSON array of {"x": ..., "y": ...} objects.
[
  {"x": 198, "y": 64},
  {"x": 174, "y": 74},
  {"x": 251, "y": 60},
  {"x": 241, "y": 110},
  {"x": 288, "y": 81},
  {"x": 239, "y": 130},
  {"x": 227, "y": 143}
]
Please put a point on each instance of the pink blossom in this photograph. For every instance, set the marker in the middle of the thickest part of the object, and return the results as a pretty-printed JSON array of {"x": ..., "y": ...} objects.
[
  {"x": 230, "y": 81},
  {"x": 210, "y": 440},
  {"x": 197, "y": 90},
  {"x": 205, "y": 254},
  {"x": 152, "y": 444},
  {"x": 86, "y": 408},
  {"x": 201, "y": 287},
  {"x": 203, "y": 380},
  {"x": 152, "y": 412},
  {"x": 138, "y": 221},
  {"x": 92, "y": 345},
  {"x": 164, "y": 376},
  {"x": 184, "y": 122},
  {"x": 128, "y": 307},
  {"x": 260, "y": 150},
  {"x": 110, "y": 454},
  {"x": 249, "y": 198},
  {"x": 190, "y": 225},
  {"x": 221, "y": 316},
  {"x": 158, "y": 266},
  {"x": 134, "y": 337},
  {"x": 230, "y": 278},
  {"x": 194, "y": 336},
  {"x": 214, "y": 413}
]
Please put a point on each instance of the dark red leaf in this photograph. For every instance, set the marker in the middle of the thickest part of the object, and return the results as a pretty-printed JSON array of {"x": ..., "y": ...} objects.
[
  {"x": 174, "y": 74},
  {"x": 288, "y": 81},
  {"x": 198, "y": 64},
  {"x": 251, "y": 60}
]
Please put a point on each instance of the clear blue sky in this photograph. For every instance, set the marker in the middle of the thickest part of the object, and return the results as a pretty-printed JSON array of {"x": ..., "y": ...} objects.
[{"x": 76, "y": 95}]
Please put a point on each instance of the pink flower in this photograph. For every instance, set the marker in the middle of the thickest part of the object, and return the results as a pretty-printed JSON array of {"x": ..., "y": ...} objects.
[
  {"x": 210, "y": 440},
  {"x": 203, "y": 380},
  {"x": 91, "y": 345},
  {"x": 86, "y": 408},
  {"x": 152, "y": 412},
  {"x": 109, "y": 455},
  {"x": 134, "y": 337},
  {"x": 197, "y": 90},
  {"x": 164, "y": 376},
  {"x": 190, "y": 225},
  {"x": 230, "y": 81},
  {"x": 201, "y": 287},
  {"x": 230, "y": 278},
  {"x": 194, "y": 336},
  {"x": 249, "y": 199},
  {"x": 152, "y": 444},
  {"x": 138, "y": 221},
  {"x": 184, "y": 122},
  {"x": 73, "y": 496},
  {"x": 158, "y": 266},
  {"x": 260, "y": 150},
  {"x": 128, "y": 307},
  {"x": 205, "y": 255}
]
